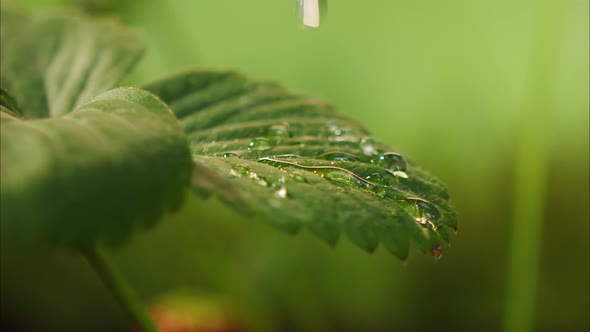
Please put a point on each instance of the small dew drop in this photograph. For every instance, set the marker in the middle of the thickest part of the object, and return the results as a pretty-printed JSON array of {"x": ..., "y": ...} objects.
[
  {"x": 259, "y": 144},
  {"x": 367, "y": 146},
  {"x": 239, "y": 170},
  {"x": 281, "y": 192},
  {"x": 229, "y": 154},
  {"x": 297, "y": 177},
  {"x": 334, "y": 129},
  {"x": 259, "y": 180}
]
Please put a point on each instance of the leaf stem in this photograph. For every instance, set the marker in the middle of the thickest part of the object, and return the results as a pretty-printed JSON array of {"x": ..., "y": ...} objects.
[{"x": 119, "y": 288}]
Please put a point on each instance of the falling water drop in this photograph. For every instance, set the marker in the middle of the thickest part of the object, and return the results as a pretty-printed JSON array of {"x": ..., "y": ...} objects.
[{"x": 310, "y": 11}]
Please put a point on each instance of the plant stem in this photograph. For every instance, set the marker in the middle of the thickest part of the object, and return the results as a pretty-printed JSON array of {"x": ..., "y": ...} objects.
[
  {"x": 122, "y": 292},
  {"x": 531, "y": 170}
]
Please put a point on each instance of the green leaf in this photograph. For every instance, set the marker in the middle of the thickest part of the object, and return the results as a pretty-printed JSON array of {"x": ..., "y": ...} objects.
[
  {"x": 114, "y": 164},
  {"x": 8, "y": 104},
  {"x": 52, "y": 63},
  {"x": 294, "y": 160}
]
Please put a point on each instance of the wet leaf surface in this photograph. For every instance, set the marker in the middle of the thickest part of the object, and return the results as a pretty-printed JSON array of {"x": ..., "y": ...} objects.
[{"x": 294, "y": 160}]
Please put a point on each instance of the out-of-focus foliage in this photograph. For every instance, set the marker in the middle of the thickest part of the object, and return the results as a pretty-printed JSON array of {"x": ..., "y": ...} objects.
[
  {"x": 77, "y": 167},
  {"x": 445, "y": 81}
]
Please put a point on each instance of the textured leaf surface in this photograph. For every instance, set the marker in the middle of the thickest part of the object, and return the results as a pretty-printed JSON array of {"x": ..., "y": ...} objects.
[
  {"x": 294, "y": 160},
  {"x": 114, "y": 164},
  {"x": 51, "y": 64}
]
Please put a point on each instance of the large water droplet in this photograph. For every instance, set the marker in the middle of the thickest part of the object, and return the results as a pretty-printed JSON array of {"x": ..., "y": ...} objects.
[
  {"x": 259, "y": 144},
  {"x": 367, "y": 146},
  {"x": 392, "y": 161},
  {"x": 395, "y": 163},
  {"x": 425, "y": 213}
]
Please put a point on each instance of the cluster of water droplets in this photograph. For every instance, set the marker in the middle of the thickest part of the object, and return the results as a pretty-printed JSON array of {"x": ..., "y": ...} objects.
[
  {"x": 389, "y": 168},
  {"x": 279, "y": 188}
]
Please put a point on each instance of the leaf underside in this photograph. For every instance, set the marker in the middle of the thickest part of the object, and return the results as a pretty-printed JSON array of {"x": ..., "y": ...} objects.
[
  {"x": 77, "y": 168},
  {"x": 292, "y": 159},
  {"x": 113, "y": 165},
  {"x": 52, "y": 63}
]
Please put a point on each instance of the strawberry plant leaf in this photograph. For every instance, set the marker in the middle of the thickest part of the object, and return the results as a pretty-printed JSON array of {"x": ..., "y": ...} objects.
[
  {"x": 114, "y": 164},
  {"x": 52, "y": 63},
  {"x": 294, "y": 160},
  {"x": 77, "y": 169}
]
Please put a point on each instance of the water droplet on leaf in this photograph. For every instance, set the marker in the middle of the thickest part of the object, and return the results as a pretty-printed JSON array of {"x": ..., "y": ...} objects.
[
  {"x": 239, "y": 170},
  {"x": 337, "y": 156},
  {"x": 367, "y": 146},
  {"x": 340, "y": 176},
  {"x": 281, "y": 192},
  {"x": 425, "y": 213},
  {"x": 278, "y": 132},
  {"x": 436, "y": 252},
  {"x": 259, "y": 180},
  {"x": 392, "y": 161},
  {"x": 400, "y": 174},
  {"x": 334, "y": 129},
  {"x": 259, "y": 144},
  {"x": 297, "y": 177}
]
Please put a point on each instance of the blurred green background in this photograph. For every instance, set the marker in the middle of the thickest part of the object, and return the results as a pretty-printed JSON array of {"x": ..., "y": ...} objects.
[{"x": 454, "y": 84}]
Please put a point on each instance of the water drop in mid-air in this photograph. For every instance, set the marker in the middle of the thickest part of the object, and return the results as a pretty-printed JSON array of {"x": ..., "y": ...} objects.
[{"x": 310, "y": 11}]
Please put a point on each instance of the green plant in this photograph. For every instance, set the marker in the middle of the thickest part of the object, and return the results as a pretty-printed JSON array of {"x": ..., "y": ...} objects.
[{"x": 84, "y": 165}]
